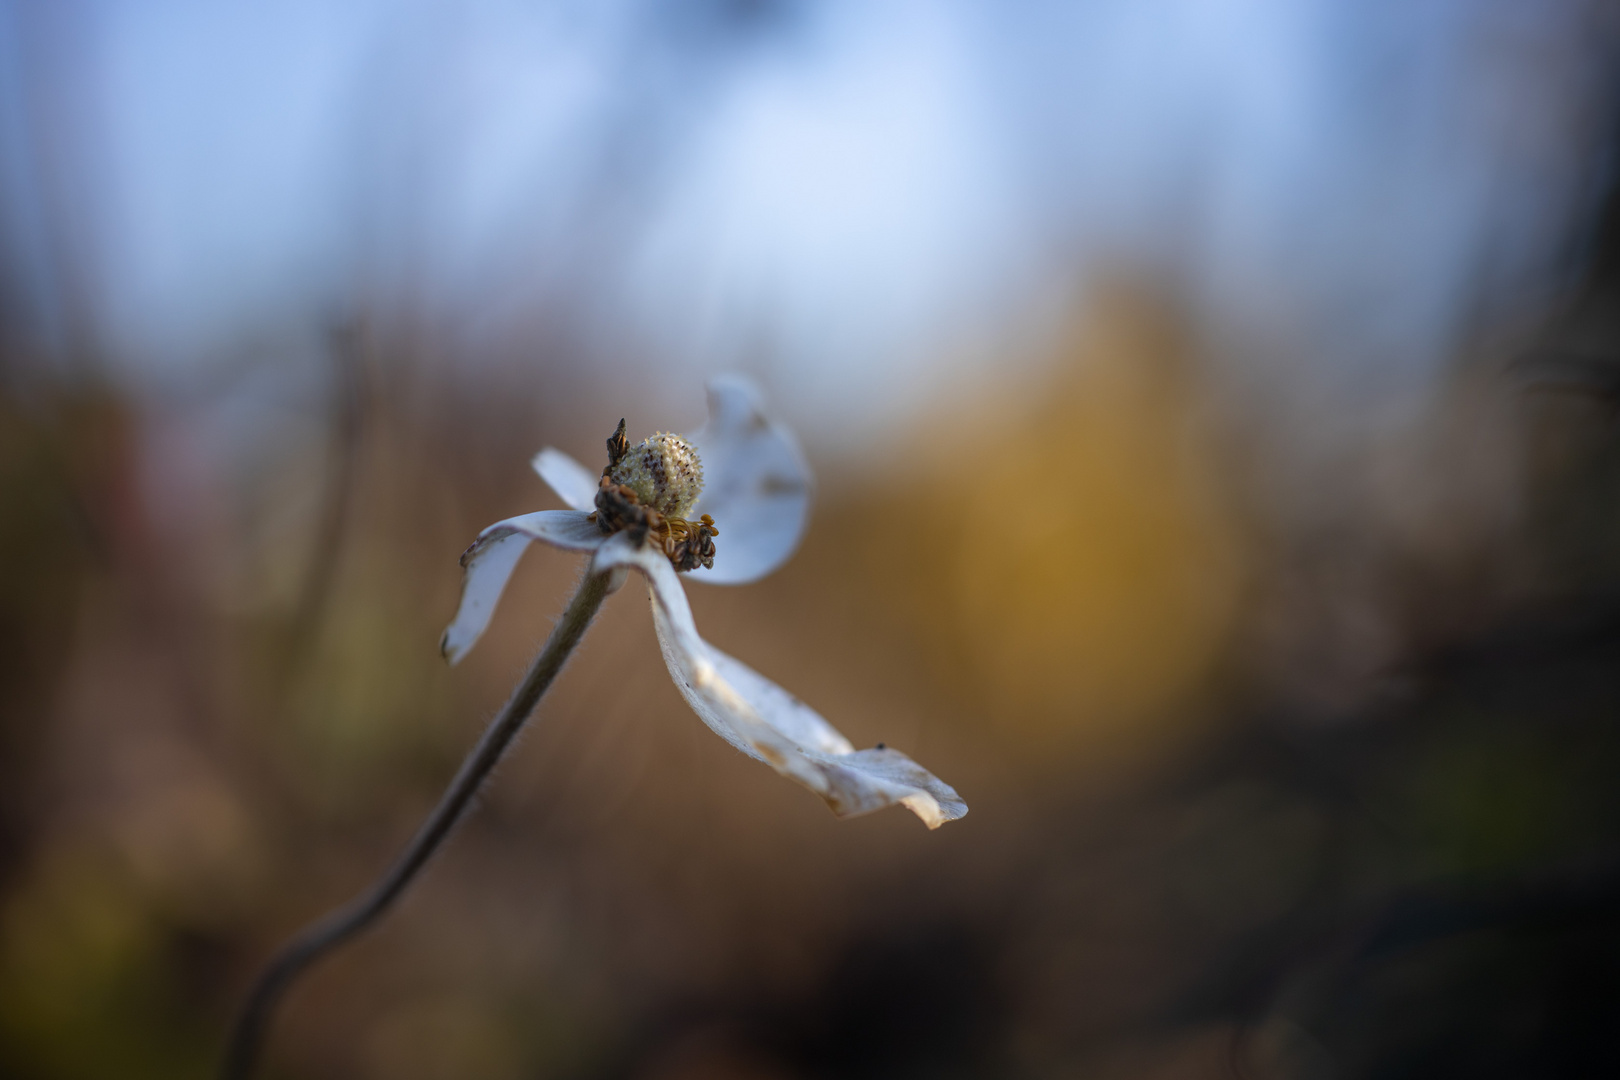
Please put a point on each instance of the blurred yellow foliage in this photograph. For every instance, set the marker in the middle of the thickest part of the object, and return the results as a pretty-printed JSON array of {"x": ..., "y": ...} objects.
[{"x": 1105, "y": 580}]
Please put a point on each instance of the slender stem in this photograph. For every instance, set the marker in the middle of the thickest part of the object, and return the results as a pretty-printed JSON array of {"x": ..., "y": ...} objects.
[{"x": 339, "y": 926}]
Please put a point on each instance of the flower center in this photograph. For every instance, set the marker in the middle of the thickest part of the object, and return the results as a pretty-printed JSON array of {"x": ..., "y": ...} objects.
[
  {"x": 648, "y": 490},
  {"x": 663, "y": 471}
]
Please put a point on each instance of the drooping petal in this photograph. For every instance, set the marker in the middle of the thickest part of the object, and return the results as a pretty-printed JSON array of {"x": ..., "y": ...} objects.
[
  {"x": 574, "y": 483},
  {"x": 769, "y": 724},
  {"x": 756, "y": 484},
  {"x": 489, "y": 563},
  {"x": 787, "y": 714}
]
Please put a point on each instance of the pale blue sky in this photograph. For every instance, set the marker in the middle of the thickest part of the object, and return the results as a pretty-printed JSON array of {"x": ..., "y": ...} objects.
[{"x": 856, "y": 199}]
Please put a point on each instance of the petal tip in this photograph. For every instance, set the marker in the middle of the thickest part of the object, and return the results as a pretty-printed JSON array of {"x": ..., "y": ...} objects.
[
  {"x": 933, "y": 812},
  {"x": 452, "y": 654}
]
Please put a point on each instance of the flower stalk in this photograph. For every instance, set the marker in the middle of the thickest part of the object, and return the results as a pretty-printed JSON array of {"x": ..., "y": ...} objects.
[{"x": 346, "y": 922}]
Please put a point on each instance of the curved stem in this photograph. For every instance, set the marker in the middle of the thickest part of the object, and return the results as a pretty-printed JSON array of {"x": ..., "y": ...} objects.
[{"x": 339, "y": 926}]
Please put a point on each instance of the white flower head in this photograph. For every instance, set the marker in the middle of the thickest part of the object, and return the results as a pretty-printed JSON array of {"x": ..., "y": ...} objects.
[{"x": 740, "y": 474}]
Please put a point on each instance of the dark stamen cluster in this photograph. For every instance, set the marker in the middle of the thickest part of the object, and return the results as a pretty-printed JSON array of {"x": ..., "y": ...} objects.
[
  {"x": 694, "y": 549},
  {"x": 618, "y": 446},
  {"x": 618, "y": 510}
]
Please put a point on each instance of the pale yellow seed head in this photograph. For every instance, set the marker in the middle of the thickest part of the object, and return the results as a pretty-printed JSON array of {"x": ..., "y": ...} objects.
[{"x": 664, "y": 472}]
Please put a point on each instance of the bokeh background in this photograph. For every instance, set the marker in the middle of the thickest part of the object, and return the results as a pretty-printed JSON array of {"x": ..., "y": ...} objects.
[{"x": 1213, "y": 405}]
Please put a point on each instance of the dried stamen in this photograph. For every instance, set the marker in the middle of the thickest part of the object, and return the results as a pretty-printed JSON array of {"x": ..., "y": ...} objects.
[
  {"x": 618, "y": 509},
  {"x": 618, "y": 446},
  {"x": 691, "y": 545}
]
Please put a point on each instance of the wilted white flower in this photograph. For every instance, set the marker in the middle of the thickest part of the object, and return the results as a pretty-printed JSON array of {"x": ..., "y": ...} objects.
[{"x": 744, "y": 477}]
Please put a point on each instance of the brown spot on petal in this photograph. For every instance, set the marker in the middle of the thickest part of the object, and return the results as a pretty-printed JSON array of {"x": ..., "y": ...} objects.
[{"x": 781, "y": 485}]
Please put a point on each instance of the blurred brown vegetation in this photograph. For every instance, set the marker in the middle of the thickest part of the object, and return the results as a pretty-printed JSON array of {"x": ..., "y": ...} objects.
[{"x": 1254, "y": 792}]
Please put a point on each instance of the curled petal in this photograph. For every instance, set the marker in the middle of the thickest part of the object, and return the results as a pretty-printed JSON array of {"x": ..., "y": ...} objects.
[
  {"x": 769, "y": 724},
  {"x": 573, "y": 482},
  {"x": 756, "y": 484},
  {"x": 489, "y": 563},
  {"x": 881, "y": 777}
]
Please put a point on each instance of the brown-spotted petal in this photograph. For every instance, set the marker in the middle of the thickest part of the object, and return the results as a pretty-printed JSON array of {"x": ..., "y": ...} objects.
[{"x": 766, "y": 722}]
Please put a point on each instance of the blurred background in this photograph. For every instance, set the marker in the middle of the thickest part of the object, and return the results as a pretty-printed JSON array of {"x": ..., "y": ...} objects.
[{"x": 1213, "y": 405}]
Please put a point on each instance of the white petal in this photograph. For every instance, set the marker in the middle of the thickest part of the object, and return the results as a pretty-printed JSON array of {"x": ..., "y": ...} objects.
[
  {"x": 769, "y": 724},
  {"x": 574, "y": 483},
  {"x": 785, "y": 712},
  {"x": 489, "y": 563},
  {"x": 755, "y": 482}
]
